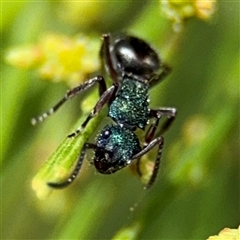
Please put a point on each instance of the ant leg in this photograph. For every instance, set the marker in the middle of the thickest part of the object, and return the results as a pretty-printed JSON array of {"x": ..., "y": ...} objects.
[
  {"x": 148, "y": 138},
  {"x": 106, "y": 97},
  {"x": 158, "y": 113},
  {"x": 76, "y": 170},
  {"x": 106, "y": 55},
  {"x": 70, "y": 94},
  {"x": 152, "y": 129},
  {"x": 157, "y": 141},
  {"x": 159, "y": 77}
]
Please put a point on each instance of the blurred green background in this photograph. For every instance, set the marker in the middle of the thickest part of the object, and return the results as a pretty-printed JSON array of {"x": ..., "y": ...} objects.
[{"x": 197, "y": 190}]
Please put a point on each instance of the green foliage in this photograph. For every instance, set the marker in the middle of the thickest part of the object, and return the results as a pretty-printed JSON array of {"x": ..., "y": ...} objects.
[{"x": 197, "y": 191}]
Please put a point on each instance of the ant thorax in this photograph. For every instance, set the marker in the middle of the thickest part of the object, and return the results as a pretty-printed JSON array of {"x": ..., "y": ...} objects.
[{"x": 130, "y": 107}]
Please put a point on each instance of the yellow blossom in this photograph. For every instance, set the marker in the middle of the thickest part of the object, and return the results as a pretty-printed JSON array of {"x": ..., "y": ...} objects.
[
  {"x": 227, "y": 234},
  {"x": 178, "y": 11},
  {"x": 59, "y": 57}
]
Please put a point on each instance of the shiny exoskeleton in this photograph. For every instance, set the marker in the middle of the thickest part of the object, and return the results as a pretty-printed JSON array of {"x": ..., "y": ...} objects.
[{"x": 134, "y": 68}]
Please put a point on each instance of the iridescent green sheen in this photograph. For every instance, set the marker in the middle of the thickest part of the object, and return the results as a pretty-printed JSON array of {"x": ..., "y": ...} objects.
[
  {"x": 121, "y": 142},
  {"x": 130, "y": 106}
]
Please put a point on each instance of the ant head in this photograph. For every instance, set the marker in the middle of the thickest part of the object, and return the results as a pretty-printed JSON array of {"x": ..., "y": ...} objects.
[
  {"x": 115, "y": 147},
  {"x": 131, "y": 55}
]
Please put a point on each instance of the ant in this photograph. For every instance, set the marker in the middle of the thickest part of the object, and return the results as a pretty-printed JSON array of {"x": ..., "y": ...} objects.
[{"x": 134, "y": 68}]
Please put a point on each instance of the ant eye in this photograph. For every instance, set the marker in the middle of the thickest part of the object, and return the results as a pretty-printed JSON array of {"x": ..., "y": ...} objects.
[{"x": 106, "y": 134}]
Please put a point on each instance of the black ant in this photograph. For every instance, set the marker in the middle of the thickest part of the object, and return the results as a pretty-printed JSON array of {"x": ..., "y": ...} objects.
[{"x": 134, "y": 68}]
